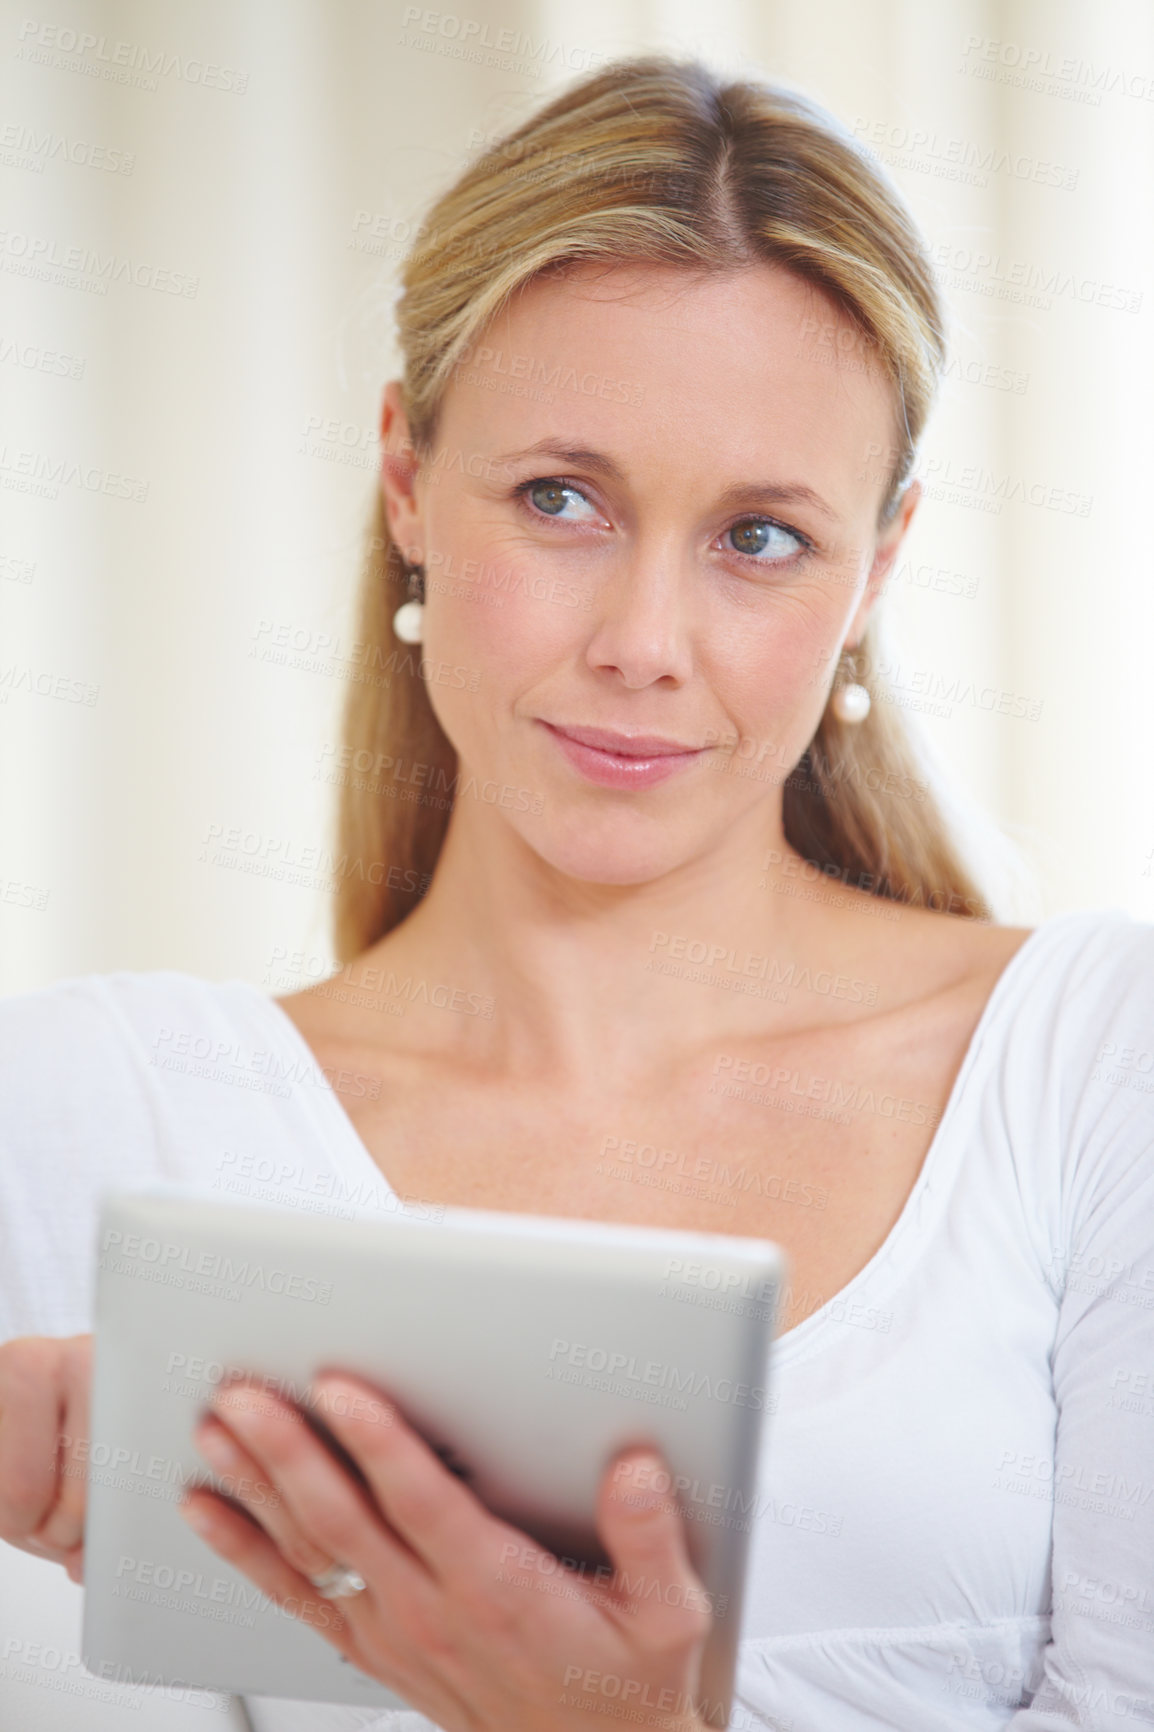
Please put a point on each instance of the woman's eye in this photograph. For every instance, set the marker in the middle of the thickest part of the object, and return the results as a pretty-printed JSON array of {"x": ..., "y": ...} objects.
[
  {"x": 551, "y": 497},
  {"x": 756, "y": 536}
]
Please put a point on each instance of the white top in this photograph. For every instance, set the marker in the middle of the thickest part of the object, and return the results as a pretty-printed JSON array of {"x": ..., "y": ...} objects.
[{"x": 959, "y": 1490}]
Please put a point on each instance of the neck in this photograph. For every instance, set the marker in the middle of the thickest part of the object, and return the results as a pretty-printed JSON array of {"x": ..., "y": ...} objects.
[{"x": 593, "y": 985}]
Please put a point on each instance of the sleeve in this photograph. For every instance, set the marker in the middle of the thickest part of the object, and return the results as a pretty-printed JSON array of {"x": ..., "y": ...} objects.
[
  {"x": 74, "y": 1117},
  {"x": 1097, "y": 1671}
]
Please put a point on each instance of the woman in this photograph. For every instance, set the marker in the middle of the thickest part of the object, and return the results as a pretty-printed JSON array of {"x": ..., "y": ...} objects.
[{"x": 649, "y": 915}]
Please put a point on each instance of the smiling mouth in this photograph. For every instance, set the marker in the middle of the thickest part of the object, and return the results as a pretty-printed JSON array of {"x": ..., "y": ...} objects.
[
  {"x": 626, "y": 762},
  {"x": 636, "y": 746}
]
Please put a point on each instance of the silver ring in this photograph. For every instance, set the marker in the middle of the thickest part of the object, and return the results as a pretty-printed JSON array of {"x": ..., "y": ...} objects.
[{"x": 338, "y": 1583}]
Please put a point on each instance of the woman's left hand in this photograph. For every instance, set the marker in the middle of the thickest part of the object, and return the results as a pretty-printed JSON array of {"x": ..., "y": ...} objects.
[{"x": 465, "y": 1616}]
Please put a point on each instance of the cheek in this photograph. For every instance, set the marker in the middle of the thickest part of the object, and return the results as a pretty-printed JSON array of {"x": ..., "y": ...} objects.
[
  {"x": 487, "y": 644},
  {"x": 772, "y": 672},
  {"x": 509, "y": 622}
]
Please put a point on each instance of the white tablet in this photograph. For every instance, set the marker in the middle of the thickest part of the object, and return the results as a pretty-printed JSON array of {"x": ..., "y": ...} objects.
[{"x": 526, "y": 1350}]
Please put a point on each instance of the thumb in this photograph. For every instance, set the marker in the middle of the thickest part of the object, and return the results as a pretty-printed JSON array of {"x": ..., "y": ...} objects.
[{"x": 641, "y": 1528}]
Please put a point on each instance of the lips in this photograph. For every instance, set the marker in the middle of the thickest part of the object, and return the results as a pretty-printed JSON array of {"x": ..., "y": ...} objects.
[
  {"x": 612, "y": 760},
  {"x": 624, "y": 745}
]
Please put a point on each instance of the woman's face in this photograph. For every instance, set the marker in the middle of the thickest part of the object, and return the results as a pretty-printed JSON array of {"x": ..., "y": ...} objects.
[{"x": 651, "y": 511}]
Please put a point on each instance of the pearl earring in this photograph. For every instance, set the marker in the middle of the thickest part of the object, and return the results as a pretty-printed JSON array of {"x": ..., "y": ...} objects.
[
  {"x": 409, "y": 619},
  {"x": 850, "y": 702}
]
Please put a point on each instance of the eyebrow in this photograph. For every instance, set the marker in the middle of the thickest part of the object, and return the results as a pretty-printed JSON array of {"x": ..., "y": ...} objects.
[{"x": 741, "y": 492}]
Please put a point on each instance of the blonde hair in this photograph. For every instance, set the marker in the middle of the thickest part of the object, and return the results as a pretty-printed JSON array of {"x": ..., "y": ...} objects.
[{"x": 656, "y": 160}]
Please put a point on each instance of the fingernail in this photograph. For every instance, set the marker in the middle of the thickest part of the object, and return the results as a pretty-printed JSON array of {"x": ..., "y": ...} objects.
[
  {"x": 216, "y": 1448},
  {"x": 240, "y": 1407},
  {"x": 198, "y": 1515},
  {"x": 645, "y": 1484}
]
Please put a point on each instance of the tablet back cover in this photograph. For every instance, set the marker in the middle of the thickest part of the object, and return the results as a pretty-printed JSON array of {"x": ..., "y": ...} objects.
[{"x": 527, "y": 1350}]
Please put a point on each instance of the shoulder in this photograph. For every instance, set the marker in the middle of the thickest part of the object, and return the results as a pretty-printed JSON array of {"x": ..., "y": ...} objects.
[
  {"x": 70, "y": 1026},
  {"x": 1086, "y": 973},
  {"x": 1062, "y": 1017},
  {"x": 1071, "y": 1034},
  {"x": 88, "y": 1010},
  {"x": 1057, "y": 1086},
  {"x": 76, "y": 1114},
  {"x": 1102, "y": 1029},
  {"x": 78, "y": 1041},
  {"x": 1067, "y": 988},
  {"x": 1095, "y": 957},
  {"x": 89, "y": 1098}
]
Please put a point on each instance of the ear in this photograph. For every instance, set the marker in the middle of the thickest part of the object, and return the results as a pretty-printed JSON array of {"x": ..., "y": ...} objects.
[
  {"x": 885, "y": 553},
  {"x": 399, "y": 472}
]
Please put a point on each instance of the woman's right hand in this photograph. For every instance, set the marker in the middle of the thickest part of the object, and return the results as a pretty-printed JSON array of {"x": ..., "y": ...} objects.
[{"x": 44, "y": 1386}]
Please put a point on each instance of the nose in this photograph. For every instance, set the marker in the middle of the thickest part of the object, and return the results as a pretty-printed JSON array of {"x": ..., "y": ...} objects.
[{"x": 643, "y": 614}]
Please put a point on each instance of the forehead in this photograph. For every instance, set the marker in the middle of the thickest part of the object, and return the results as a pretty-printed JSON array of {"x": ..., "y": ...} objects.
[{"x": 756, "y": 366}]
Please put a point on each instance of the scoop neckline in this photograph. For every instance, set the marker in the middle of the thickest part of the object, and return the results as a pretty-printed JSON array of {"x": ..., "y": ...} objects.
[{"x": 809, "y": 1333}]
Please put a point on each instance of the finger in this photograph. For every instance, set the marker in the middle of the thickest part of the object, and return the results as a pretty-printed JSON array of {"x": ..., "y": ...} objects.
[
  {"x": 393, "y": 1595},
  {"x": 642, "y": 1530},
  {"x": 242, "y": 1542},
  {"x": 64, "y": 1528},
  {"x": 241, "y": 1478},
  {"x": 30, "y": 1414},
  {"x": 332, "y": 1511},
  {"x": 433, "y": 1511}
]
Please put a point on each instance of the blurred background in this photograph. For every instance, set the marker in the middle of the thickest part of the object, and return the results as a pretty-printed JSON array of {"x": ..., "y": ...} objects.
[{"x": 204, "y": 209}]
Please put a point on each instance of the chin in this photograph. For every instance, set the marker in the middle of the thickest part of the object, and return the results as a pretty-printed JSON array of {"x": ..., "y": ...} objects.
[{"x": 602, "y": 855}]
